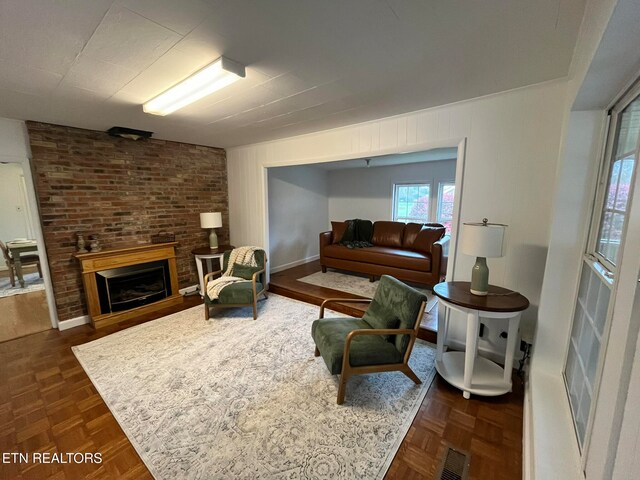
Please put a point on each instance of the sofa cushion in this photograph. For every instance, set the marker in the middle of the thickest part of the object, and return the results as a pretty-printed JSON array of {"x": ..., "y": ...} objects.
[
  {"x": 426, "y": 237},
  {"x": 338, "y": 229},
  {"x": 236, "y": 293},
  {"x": 330, "y": 335},
  {"x": 411, "y": 231},
  {"x": 402, "y": 301},
  {"x": 385, "y": 256},
  {"x": 377, "y": 316},
  {"x": 244, "y": 271},
  {"x": 387, "y": 234}
]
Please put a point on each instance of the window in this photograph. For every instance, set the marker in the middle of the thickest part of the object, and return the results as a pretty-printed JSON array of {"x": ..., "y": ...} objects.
[
  {"x": 616, "y": 199},
  {"x": 411, "y": 202},
  {"x": 446, "y": 195},
  {"x": 592, "y": 313}
]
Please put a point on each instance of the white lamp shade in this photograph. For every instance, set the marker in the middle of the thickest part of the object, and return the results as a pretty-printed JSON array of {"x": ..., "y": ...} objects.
[
  {"x": 211, "y": 220},
  {"x": 480, "y": 240}
]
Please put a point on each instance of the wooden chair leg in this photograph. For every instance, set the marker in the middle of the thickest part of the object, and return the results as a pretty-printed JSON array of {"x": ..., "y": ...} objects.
[
  {"x": 206, "y": 311},
  {"x": 324, "y": 269},
  {"x": 317, "y": 352},
  {"x": 342, "y": 388},
  {"x": 410, "y": 373},
  {"x": 255, "y": 308},
  {"x": 12, "y": 276}
]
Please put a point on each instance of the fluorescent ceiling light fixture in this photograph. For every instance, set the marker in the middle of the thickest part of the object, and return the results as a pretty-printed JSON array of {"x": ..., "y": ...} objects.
[{"x": 204, "y": 82}]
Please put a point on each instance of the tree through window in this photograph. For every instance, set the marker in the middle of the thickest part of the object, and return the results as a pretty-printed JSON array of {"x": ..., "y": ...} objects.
[
  {"x": 411, "y": 202},
  {"x": 446, "y": 196}
]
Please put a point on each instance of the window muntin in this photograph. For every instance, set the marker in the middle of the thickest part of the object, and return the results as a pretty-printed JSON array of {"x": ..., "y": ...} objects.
[
  {"x": 411, "y": 202},
  {"x": 446, "y": 196}
]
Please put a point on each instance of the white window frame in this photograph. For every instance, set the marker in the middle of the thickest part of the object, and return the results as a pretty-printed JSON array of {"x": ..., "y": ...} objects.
[
  {"x": 411, "y": 184},
  {"x": 441, "y": 186},
  {"x": 603, "y": 180},
  {"x": 607, "y": 272}
]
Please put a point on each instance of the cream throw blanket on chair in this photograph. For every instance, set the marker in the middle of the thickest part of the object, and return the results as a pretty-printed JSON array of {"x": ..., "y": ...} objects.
[{"x": 241, "y": 255}]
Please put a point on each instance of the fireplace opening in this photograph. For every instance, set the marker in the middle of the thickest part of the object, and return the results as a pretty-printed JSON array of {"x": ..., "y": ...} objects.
[{"x": 124, "y": 288}]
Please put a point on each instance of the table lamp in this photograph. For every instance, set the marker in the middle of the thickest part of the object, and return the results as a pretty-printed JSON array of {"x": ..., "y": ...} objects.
[
  {"x": 211, "y": 220},
  {"x": 482, "y": 240}
]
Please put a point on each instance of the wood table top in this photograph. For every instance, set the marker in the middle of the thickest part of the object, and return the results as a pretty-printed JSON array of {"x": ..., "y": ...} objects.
[
  {"x": 498, "y": 300},
  {"x": 211, "y": 251}
]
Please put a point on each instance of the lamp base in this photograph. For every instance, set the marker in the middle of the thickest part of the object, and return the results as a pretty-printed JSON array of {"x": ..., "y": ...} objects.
[
  {"x": 480, "y": 278},
  {"x": 213, "y": 239},
  {"x": 478, "y": 293}
]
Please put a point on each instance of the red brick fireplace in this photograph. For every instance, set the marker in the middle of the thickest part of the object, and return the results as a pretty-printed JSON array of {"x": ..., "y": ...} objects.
[{"x": 124, "y": 191}]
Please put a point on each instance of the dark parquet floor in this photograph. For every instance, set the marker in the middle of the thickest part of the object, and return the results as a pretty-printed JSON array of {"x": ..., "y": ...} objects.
[{"x": 48, "y": 404}]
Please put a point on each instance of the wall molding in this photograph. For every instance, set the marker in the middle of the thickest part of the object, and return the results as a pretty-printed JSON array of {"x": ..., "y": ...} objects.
[
  {"x": 279, "y": 268},
  {"x": 73, "y": 322}
]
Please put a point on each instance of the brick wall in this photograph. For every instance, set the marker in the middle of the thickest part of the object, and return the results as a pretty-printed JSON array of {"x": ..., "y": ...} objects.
[{"x": 124, "y": 191}]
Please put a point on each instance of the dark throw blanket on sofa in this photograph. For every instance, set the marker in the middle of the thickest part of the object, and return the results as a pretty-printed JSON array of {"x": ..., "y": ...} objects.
[{"x": 358, "y": 234}]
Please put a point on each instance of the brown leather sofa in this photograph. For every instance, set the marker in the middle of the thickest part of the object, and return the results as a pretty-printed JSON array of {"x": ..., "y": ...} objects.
[{"x": 412, "y": 252}]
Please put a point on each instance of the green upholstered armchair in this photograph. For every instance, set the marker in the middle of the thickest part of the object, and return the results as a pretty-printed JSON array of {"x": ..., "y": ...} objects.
[
  {"x": 380, "y": 341},
  {"x": 241, "y": 294}
]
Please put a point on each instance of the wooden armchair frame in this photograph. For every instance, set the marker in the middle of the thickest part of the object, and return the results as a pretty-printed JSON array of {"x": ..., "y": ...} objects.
[
  {"x": 256, "y": 294},
  {"x": 349, "y": 371}
]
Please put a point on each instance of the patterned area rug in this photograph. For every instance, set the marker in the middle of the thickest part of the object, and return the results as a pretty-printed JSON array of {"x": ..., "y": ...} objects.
[
  {"x": 32, "y": 283},
  {"x": 234, "y": 398},
  {"x": 356, "y": 284}
]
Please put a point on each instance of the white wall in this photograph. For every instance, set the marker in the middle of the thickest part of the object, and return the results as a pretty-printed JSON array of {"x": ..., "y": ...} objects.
[
  {"x": 368, "y": 192},
  {"x": 14, "y": 140},
  {"x": 298, "y": 209},
  {"x": 513, "y": 141},
  {"x": 14, "y": 219},
  {"x": 575, "y": 187},
  {"x": 553, "y": 438}
]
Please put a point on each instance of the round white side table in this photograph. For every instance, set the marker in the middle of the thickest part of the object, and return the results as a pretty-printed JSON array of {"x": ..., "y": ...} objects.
[
  {"x": 208, "y": 254},
  {"x": 467, "y": 370}
]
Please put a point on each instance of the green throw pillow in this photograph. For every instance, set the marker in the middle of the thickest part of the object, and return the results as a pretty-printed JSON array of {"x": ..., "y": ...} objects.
[{"x": 244, "y": 271}]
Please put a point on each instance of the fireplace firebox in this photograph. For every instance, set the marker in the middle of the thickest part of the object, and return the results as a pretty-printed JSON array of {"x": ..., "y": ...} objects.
[{"x": 124, "y": 288}]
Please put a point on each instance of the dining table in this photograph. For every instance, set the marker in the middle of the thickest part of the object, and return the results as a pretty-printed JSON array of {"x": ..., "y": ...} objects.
[{"x": 17, "y": 248}]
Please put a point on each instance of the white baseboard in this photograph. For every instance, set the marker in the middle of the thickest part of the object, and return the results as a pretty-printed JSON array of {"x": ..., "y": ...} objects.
[
  {"x": 188, "y": 290},
  {"x": 279, "y": 268},
  {"x": 73, "y": 322}
]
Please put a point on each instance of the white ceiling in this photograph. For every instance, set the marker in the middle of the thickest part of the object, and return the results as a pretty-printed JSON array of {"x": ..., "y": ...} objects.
[{"x": 311, "y": 65}]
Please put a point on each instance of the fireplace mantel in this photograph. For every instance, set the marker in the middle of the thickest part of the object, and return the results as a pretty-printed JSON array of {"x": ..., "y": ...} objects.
[{"x": 94, "y": 262}]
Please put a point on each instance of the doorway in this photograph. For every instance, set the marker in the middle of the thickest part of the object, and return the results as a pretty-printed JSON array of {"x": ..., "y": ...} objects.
[
  {"x": 303, "y": 200},
  {"x": 23, "y": 295}
]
